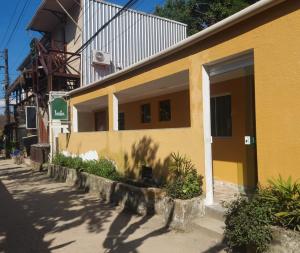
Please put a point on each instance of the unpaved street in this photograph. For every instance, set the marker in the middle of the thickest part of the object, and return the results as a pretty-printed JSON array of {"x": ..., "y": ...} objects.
[{"x": 40, "y": 215}]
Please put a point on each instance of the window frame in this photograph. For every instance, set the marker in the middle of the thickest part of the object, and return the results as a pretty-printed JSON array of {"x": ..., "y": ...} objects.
[
  {"x": 144, "y": 120},
  {"x": 214, "y": 133},
  {"x": 160, "y": 110}
]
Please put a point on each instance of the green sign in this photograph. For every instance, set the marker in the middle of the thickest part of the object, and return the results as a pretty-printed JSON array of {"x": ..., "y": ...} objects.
[{"x": 59, "y": 109}]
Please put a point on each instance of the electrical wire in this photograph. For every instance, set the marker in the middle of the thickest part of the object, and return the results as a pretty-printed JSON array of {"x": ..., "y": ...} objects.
[
  {"x": 10, "y": 22},
  {"x": 129, "y": 4},
  {"x": 17, "y": 23}
]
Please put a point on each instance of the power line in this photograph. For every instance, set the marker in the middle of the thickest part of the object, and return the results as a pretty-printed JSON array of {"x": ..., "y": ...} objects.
[
  {"x": 129, "y": 4},
  {"x": 22, "y": 52},
  {"x": 10, "y": 21},
  {"x": 124, "y": 31},
  {"x": 17, "y": 23}
]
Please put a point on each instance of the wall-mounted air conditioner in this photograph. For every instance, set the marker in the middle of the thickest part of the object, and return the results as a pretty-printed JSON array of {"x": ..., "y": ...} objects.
[{"x": 101, "y": 58}]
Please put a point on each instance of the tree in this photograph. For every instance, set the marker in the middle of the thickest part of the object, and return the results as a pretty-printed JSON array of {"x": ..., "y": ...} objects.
[{"x": 200, "y": 14}]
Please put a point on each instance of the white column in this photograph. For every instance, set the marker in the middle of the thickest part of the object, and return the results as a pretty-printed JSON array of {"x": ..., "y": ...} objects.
[
  {"x": 207, "y": 137},
  {"x": 75, "y": 119},
  {"x": 115, "y": 113}
]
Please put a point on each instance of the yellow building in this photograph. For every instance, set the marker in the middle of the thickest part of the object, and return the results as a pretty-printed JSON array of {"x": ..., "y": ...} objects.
[{"x": 228, "y": 97}]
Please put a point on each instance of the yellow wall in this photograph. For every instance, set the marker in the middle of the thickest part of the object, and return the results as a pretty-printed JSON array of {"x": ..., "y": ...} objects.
[
  {"x": 132, "y": 148},
  {"x": 274, "y": 37},
  {"x": 180, "y": 112}
]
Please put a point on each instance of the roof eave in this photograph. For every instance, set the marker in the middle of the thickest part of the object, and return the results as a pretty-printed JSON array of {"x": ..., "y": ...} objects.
[
  {"x": 29, "y": 26},
  {"x": 222, "y": 25}
]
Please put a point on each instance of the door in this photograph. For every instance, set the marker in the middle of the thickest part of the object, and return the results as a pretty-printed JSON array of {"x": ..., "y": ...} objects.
[{"x": 233, "y": 131}]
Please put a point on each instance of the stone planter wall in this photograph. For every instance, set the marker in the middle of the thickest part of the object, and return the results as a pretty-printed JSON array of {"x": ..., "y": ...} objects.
[
  {"x": 176, "y": 214},
  {"x": 284, "y": 241}
]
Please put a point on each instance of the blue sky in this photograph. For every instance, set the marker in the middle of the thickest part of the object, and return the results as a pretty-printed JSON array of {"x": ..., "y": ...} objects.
[{"x": 19, "y": 44}]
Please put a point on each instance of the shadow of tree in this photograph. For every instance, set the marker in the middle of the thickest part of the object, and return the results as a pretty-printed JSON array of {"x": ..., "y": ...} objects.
[
  {"x": 116, "y": 239},
  {"x": 120, "y": 230},
  {"x": 43, "y": 209},
  {"x": 144, "y": 153},
  {"x": 20, "y": 236},
  {"x": 220, "y": 247}
]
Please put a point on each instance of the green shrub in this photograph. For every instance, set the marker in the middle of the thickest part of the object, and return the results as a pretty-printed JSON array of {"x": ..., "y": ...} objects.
[
  {"x": 184, "y": 181},
  {"x": 247, "y": 225},
  {"x": 283, "y": 197},
  {"x": 102, "y": 167},
  {"x": 60, "y": 159},
  {"x": 248, "y": 221},
  {"x": 75, "y": 163}
]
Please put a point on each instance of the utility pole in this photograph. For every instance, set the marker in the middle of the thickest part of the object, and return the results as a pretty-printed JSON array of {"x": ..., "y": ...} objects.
[{"x": 6, "y": 84}]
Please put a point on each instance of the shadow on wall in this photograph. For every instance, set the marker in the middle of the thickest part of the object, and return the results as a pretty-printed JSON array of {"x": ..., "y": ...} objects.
[{"x": 144, "y": 153}]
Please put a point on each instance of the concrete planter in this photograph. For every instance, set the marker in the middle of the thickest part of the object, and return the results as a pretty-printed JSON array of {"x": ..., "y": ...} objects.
[
  {"x": 179, "y": 214},
  {"x": 284, "y": 241},
  {"x": 176, "y": 214}
]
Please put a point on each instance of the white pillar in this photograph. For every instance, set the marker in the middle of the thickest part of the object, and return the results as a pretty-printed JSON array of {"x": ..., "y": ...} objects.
[
  {"x": 75, "y": 119},
  {"x": 207, "y": 137},
  {"x": 115, "y": 113}
]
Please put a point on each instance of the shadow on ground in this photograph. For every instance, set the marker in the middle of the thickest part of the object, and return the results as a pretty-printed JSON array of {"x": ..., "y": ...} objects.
[
  {"x": 120, "y": 230},
  {"x": 50, "y": 209},
  {"x": 33, "y": 208}
]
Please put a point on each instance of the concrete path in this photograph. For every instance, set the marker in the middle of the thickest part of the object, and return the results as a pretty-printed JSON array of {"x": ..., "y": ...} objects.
[{"x": 41, "y": 215}]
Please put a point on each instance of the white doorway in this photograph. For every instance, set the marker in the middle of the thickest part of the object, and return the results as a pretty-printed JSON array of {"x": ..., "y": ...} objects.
[{"x": 236, "y": 166}]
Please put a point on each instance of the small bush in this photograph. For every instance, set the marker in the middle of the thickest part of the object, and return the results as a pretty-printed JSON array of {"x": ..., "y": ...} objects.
[
  {"x": 283, "y": 197},
  {"x": 247, "y": 225},
  {"x": 102, "y": 167},
  {"x": 184, "y": 181},
  {"x": 248, "y": 221},
  {"x": 60, "y": 159}
]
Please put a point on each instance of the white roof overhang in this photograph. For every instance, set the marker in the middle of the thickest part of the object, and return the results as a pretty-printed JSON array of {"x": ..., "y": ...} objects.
[{"x": 49, "y": 14}]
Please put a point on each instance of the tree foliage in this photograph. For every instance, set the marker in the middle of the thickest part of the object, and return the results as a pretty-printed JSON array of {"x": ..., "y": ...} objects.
[{"x": 199, "y": 14}]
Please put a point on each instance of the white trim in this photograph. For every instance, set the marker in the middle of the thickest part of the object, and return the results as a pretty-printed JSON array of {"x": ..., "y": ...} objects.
[
  {"x": 75, "y": 119},
  {"x": 235, "y": 62},
  {"x": 207, "y": 137},
  {"x": 115, "y": 104}
]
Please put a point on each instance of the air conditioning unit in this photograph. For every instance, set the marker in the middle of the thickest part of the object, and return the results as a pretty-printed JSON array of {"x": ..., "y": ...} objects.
[{"x": 101, "y": 58}]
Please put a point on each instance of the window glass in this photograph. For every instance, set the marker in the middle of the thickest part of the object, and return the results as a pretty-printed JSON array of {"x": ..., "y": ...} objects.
[
  {"x": 165, "y": 110},
  {"x": 145, "y": 113},
  {"x": 121, "y": 121},
  {"x": 221, "y": 122}
]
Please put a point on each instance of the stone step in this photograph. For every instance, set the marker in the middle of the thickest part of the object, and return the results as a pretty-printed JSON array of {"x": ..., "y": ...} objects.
[
  {"x": 209, "y": 226},
  {"x": 215, "y": 211}
]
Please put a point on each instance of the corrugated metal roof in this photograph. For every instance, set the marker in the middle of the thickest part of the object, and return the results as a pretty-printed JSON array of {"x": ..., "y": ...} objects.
[{"x": 131, "y": 37}]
